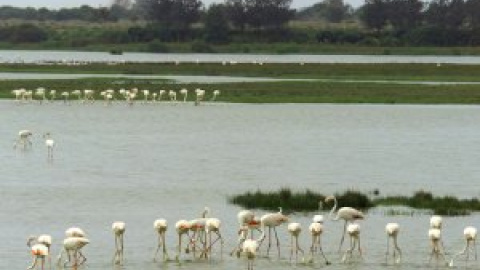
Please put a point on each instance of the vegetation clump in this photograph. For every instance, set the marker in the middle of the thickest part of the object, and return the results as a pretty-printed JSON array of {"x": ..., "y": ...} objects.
[
  {"x": 309, "y": 200},
  {"x": 446, "y": 205}
]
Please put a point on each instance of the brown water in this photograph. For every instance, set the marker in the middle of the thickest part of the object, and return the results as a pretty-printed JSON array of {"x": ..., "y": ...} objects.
[{"x": 144, "y": 162}]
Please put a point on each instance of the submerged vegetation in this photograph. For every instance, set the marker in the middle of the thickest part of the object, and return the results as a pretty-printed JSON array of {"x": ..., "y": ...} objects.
[{"x": 309, "y": 200}]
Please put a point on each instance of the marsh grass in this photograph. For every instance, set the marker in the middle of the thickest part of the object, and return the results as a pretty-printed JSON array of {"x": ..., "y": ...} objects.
[
  {"x": 440, "y": 205},
  {"x": 308, "y": 201}
]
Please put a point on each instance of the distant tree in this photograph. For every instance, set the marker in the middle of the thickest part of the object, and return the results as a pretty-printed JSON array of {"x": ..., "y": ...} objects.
[
  {"x": 472, "y": 13},
  {"x": 449, "y": 14},
  {"x": 269, "y": 14},
  {"x": 216, "y": 24},
  {"x": 174, "y": 13},
  {"x": 404, "y": 15},
  {"x": 237, "y": 13},
  {"x": 336, "y": 10},
  {"x": 374, "y": 14}
]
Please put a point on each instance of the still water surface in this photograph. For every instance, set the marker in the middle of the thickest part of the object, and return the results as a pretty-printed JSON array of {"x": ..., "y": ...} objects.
[
  {"x": 26, "y": 56},
  {"x": 144, "y": 162}
]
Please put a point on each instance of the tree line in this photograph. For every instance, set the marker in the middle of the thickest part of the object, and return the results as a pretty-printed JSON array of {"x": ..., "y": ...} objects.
[{"x": 381, "y": 22}]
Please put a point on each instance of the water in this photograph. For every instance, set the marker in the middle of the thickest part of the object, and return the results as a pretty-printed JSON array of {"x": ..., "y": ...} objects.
[
  {"x": 140, "y": 163},
  {"x": 26, "y": 56}
]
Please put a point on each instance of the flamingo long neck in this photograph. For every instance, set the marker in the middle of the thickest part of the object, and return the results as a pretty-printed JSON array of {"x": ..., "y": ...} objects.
[{"x": 330, "y": 215}]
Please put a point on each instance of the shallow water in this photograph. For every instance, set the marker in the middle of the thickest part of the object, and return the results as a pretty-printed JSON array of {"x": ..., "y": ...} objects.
[
  {"x": 42, "y": 56},
  {"x": 144, "y": 162}
]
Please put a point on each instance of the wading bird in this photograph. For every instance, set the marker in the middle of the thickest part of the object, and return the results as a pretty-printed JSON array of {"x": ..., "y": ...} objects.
[
  {"x": 182, "y": 227},
  {"x": 348, "y": 214},
  {"x": 160, "y": 226},
  {"x": 294, "y": 229},
  {"x": 50, "y": 143},
  {"x": 470, "y": 235},
  {"x": 271, "y": 221},
  {"x": 316, "y": 230},
  {"x": 23, "y": 139},
  {"x": 353, "y": 230},
  {"x": 118, "y": 229},
  {"x": 392, "y": 230},
  {"x": 184, "y": 93},
  {"x": 435, "y": 236},
  {"x": 40, "y": 247},
  {"x": 72, "y": 247}
]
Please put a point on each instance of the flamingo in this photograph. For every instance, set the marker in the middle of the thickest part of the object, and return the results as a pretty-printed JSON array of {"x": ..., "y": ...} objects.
[
  {"x": 244, "y": 217},
  {"x": 470, "y": 235},
  {"x": 160, "y": 226},
  {"x": 436, "y": 222},
  {"x": 50, "y": 143},
  {"x": 316, "y": 230},
  {"x": 184, "y": 93},
  {"x": 88, "y": 95},
  {"x": 118, "y": 228},
  {"x": 40, "y": 92},
  {"x": 294, "y": 229},
  {"x": 182, "y": 227},
  {"x": 272, "y": 220},
  {"x": 78, "y": 94},
  {"x": 200, "y": 95},
  {"x": 40, "y": 249},
  {"x": 65, "y": 96},
  {"x": 74, "y": 232},
  {"x": 161, "y": 93},
  {"x": 215, "y": 94},
  {"x": 173, "y": 95},
  {"x": 353, "y": 230},
  {"x": 434, "y": 234},
  {"x": 392, "y": 230},
  {"x": 249, "y": 247},
  {"x": 53, "y": 94},
  {"x": 23, "y": 138},
  {"x": 348, "y": 214},
  {"x": 146, "y": 94},
  {"x": 212, "y": 225},
  {"x": 198, "y": 226},
  {"x": 19, "y": 94},
  {"x": 73, "y": 246}
]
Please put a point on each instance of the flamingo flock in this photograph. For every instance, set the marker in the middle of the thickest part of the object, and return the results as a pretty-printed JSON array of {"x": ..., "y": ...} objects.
[
  {"x": 129, "y": 96},
  {"x": 203, "y": 233}
]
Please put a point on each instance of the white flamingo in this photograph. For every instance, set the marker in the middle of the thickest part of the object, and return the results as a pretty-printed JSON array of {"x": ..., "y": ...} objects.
[
  {"x": 216, "y": 93},
  {"x": 161, "y": 93},
  {"x": 200, "y": 94},
  {"x": 78, "y": 94},
  {"x": 118, "y": 228},
  {"x": 53, "y": 95},
  {"x": 72, "y": 247},
  {"x": 295, "y": 229},
  {"x": 212, "y": 226},
  {"x": 40, "y": 247},
  {"x": 436, "y": 222},
  {"x": 19, "y": 94},
  {"x": 470, "y": 235},
  {"x": 249, "y": 248},
  {"x": 89, "y": 95},
  {"x": 182, "y": 227},
  {"x": 39, "y": 252},
  {"x": 353, "y": 230},
  {"x": 160, "y": 226},
  {"x": 392, "y": 230},
  {"x": 272, "y": 220},
  {"x": 316, "y": 230},
  {"x": 435, "y": 236},
  {"x": 23, "y": 139},
  {"x": 146, "y": 94},
  {"x": 65, "y": 96},
  {"x": 348, "y": 214},
  {"x": 50, "y": 143},
  {"x": 173, "y": 95},
  {"x": 40, "y": 92},
  {"x": 184, "y": 93}
]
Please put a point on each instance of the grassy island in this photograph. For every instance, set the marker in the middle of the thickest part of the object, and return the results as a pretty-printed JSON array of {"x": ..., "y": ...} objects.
[{"x": 308, "y": 201}]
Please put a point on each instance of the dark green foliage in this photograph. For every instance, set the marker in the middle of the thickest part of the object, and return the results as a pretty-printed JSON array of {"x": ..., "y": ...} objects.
[
  {"x": 307, "y": 200},
  {"x": 446, "y": 205}
]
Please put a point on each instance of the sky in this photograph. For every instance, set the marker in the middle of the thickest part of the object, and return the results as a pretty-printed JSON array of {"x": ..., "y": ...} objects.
[{"x": 55, "y": 4}]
